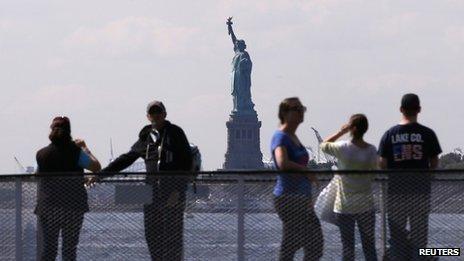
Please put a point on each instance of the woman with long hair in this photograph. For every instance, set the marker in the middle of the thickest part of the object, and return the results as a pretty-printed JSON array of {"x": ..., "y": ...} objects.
[
  {"x": 292, "y": 192},
  {"x": 353, "y": 201},
  {"x": 62, "y": 197}
]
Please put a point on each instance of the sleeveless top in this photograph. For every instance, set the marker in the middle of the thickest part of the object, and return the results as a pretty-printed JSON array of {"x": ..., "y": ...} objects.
[{"x": 67, "y": 193}]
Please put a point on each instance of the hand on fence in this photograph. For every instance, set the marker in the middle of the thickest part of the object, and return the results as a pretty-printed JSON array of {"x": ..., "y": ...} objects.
[{"x": 90, "y": 182}]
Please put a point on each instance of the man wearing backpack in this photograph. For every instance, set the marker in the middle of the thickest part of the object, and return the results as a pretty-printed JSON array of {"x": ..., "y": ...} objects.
[
  {"x": 409, "y": 145},
  {"x": 164, "y": 147}
]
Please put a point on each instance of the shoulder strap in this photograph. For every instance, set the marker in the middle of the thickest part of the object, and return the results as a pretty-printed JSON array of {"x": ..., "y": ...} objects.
[{"x": 160, "y": 147}]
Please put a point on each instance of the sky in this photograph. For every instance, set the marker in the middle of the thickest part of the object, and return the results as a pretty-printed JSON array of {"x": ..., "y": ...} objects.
[{"x": 101, "y": 62}]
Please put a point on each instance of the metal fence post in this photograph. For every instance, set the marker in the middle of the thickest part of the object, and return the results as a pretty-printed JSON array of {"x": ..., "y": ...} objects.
[
  {"x": 383, "y": 219},
  {"x": 38, "y": 235},
  {"x": 18, "y": 220},
  {"x": 241, "y": 219}
]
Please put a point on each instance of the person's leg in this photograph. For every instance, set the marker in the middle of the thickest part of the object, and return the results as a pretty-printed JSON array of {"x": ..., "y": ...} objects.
[
  {"x": 314, "y": 241},
  {"x": 153, "y": 231},
  {"x": 419, "y": 222},
  {"x": 366, "y": 226},
  {"x": 397, "y": 218},
  {"x": 173, "y": 231},
  {"x": 70, "y": 233},
  {"x": 346, "y": 224},
  {"x": 285, "y": 207},
  {"x": 48, "y": 232}
]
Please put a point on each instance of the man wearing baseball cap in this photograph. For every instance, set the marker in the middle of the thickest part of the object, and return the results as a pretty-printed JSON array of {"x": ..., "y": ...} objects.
[
  {"x": 408, "y": 145},
  {"x": 164, "y": 147}
]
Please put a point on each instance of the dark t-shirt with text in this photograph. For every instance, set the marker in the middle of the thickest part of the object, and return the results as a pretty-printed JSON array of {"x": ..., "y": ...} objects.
[{"x": 409, "y": 146}]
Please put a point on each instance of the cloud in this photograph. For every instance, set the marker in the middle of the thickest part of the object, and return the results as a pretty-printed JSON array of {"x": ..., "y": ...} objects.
[
  {"x": 267, "y": 6},
  {"x": 4, "y": 25},
  {"x": 454, "y": 37},
  {"x": 133, "y": 36},
  {"x": 398, "y": 25},
  {"x": 56, "y": 99},
  {"x": 391, "y": 82},
  {"x": 202, "y": 107}
]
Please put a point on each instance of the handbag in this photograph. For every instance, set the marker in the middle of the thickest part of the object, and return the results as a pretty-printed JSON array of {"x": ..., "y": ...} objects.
[{"x": 324, "y": 206}]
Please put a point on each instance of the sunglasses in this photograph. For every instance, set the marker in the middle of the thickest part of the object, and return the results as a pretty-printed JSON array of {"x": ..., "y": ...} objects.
[{"x": 299, "y": 108}]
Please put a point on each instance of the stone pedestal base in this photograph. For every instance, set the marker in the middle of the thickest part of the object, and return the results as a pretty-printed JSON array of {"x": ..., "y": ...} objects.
[{"x": 243, "y": 143}]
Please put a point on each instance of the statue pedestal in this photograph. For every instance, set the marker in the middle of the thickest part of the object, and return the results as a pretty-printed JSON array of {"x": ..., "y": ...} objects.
[{"x": 243, "y": 142}]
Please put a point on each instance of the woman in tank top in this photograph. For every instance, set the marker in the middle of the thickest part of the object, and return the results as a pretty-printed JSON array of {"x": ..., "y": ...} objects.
[{"x": 62, "y": 197}]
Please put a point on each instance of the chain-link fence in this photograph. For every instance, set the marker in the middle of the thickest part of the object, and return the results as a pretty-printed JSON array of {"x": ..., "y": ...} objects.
[{"x": 222, "y": 216}]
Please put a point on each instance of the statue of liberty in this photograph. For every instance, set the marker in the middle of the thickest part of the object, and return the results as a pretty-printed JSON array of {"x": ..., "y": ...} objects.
[{"x": 241, "y": 75}]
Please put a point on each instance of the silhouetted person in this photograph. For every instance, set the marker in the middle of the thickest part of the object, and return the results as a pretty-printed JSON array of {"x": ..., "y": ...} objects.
[
  {"x": 408, "y": 145},
  {"x": 62, "y": 199},
  {"x": 353, "y": 202},
  {"x": 292, "y": 193},
  {"x": 164, "y": 147}
]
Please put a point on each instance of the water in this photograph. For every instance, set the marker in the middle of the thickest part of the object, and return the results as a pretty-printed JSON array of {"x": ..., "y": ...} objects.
[
  {"x": 114, "y": 231},
  {"x": 207, "y": 236}
]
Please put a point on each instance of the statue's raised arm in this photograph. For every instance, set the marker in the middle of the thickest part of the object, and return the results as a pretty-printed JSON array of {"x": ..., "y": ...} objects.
[{"x": 231, "y": 32}]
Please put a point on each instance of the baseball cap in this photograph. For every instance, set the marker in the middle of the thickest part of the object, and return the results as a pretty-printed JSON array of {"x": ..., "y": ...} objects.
[
  {"x": 61, "y": 122},
  {"x": 410, "y": 101},
  {"x": 155, "y": 107}
]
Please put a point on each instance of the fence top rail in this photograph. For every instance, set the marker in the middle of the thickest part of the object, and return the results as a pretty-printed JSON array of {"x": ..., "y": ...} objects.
[{"x": 224, "y": 173}]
